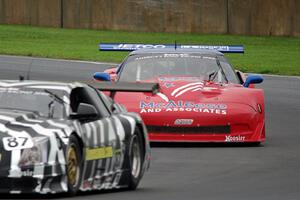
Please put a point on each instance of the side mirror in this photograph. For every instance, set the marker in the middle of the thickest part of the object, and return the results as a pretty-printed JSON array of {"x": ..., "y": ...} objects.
[
  {"x": 101, "y": 76},
  {"x": 85, "y": 111},
  {"x": 253, "y": 79}
]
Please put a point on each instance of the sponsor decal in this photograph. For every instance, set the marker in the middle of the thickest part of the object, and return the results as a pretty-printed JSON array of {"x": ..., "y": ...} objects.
[
  {"x": 206, "y": 47},
  {"x": 24, "y": 92},
  {"x": 140, "y": 46},
  {"x": 99, "y": 153},
  {"x": 183, "y": 121},
  {"x": 239, "y": 138},
  {"x": 173, "y": 55},
  {"x": 169, "y": 55},
  {"x": 27, "y": 173},
  {"x": 179, "y": 106}
]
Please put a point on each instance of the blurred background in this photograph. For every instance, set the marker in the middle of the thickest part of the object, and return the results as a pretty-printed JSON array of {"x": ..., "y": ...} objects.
[{"x": 243, "y": 17}]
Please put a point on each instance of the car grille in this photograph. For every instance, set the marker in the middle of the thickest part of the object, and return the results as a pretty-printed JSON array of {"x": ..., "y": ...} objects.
[{"x": 190, "y": 130}]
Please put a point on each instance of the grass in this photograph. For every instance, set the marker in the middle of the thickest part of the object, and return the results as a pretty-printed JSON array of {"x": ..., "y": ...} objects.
[{"x": 269, "y": 55}]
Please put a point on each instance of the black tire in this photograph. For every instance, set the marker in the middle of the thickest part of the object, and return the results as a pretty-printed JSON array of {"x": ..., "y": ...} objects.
[
  {"x": 136, "y": 157},
  {"x": 74, "y": 147}
]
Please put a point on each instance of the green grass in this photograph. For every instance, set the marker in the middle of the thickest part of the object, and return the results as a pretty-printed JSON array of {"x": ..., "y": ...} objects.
[{"x": 271, "y": 55}]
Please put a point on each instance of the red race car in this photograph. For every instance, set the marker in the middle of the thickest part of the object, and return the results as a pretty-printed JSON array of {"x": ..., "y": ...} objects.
[{"x": 200, "y": 97}]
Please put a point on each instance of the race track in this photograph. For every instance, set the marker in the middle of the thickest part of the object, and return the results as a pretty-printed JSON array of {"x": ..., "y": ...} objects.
[{"x": 183, "y": 172}]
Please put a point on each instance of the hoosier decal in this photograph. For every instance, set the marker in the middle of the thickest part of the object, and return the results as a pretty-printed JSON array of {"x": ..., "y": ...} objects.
[{"x": 239, "y": 138}]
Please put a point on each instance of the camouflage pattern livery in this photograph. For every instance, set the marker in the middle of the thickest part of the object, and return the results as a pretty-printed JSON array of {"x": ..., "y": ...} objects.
[{"x": 36, "y": 124}]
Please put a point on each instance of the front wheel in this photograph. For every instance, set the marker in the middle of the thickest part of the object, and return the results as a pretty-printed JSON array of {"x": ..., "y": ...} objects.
[{"x": 74, "y": 166}]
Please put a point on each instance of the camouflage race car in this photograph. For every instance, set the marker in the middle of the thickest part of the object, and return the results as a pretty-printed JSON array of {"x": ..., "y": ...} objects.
[{"x": 65, "y": 137}]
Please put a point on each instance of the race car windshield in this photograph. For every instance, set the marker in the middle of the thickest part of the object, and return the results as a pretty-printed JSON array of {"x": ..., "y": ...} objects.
[
  {"x": 30, "y": 100},
  {"x": 151, "y": 66}
]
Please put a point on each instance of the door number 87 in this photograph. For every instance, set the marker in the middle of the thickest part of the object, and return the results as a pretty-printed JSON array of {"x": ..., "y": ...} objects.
[{"x": 14, "y": 143}]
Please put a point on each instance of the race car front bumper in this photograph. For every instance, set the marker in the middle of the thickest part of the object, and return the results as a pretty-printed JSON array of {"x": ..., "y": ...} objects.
[
  {"x": 235, "y": 134},
  {"x": 35, "y": 179}
]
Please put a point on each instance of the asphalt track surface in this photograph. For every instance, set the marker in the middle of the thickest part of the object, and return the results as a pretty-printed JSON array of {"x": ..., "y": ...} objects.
[{"x": 182, "y": 171}]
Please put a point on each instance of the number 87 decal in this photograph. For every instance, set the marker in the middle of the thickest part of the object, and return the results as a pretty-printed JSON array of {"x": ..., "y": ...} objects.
[{"x": 14, "y": 143}]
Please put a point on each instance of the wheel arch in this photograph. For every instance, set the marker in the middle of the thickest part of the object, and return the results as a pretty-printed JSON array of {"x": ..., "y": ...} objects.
[
  {"x": 79, "y": 139},
  {"x": 140, "y": 127}
]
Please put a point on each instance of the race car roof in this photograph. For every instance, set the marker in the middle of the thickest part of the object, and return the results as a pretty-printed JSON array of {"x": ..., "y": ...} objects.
[
  {"x": 170, "y": 50},
  {"x": 39, "y": 84}
]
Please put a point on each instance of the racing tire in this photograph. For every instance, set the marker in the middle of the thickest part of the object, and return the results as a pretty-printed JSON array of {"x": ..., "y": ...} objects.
[
  {"x": 73, "y": 165},
  {"x": 136, "y": 155}
]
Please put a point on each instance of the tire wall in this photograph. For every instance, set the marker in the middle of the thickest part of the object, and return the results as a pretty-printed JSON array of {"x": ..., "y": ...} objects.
[{"x": 243, "y": 17}]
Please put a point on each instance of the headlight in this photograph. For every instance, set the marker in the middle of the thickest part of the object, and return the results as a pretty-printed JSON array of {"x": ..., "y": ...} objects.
[{"x": 35, "y": 155}]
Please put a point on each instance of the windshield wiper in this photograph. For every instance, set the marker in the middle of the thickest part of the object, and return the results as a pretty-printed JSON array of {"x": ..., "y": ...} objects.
[
  {"x": 56, "y": 98},
  {"x": 213, "y": 75}
]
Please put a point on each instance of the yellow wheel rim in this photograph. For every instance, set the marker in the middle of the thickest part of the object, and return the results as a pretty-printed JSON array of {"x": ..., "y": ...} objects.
[{"x": 72, "y": 165}]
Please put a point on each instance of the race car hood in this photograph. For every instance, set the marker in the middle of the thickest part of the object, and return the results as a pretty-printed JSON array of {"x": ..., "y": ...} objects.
[
  {"x": 192, "y": 92},
  {"x": 194, "y": 102},
  {"x": 30, "y": 123},
  {"x": 11, "y": 117}
]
